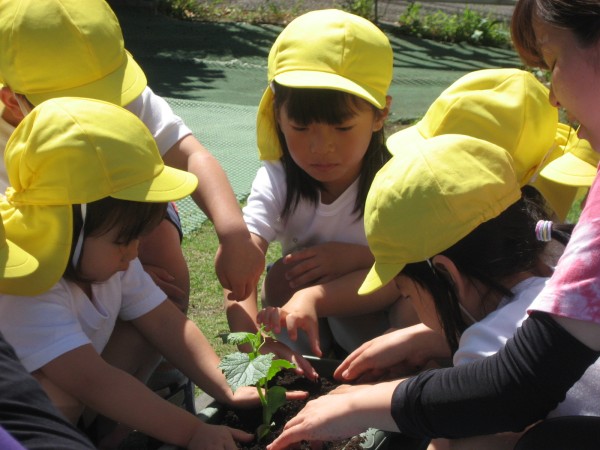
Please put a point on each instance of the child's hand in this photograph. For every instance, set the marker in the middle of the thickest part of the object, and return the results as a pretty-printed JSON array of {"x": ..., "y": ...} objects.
[
  {"x": 293, "y": 316},
  {"x": 395, "y": 354},
  {"x": 215, "y": 437},
  {"x": 303, "y": 367},
  {"x": 246, "y": 397},
  {"x": 164, "y": 280},
  {"x": 239, "y": 264},
  {"x": 325, "y": 262}
]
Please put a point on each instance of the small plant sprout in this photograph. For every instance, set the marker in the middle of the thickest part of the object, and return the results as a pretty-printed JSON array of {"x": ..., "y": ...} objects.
[{"x": 254, "y": 369}]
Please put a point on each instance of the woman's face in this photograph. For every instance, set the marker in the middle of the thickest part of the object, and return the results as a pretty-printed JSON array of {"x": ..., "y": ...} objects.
[{"x": 575, "y": 77}]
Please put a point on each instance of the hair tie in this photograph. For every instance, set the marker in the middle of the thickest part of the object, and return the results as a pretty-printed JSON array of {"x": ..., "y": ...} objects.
[{"x": 543, "y": 230}]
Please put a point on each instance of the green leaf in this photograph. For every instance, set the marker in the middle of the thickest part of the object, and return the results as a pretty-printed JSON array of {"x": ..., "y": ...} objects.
[
  {"x": 237, "y": 338},
  {"x": 240, "y": 370},
  {"x": 277, "y": 365},
  {"x": 275, "y": 400}
]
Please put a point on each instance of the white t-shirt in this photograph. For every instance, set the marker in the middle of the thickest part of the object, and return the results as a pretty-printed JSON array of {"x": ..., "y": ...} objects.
[
  {"x": 309, "y": 224},
  {"x": 490, "y": 334},
  {"x": 166, "y": 127},
  {"x": 43, "y": 327}
]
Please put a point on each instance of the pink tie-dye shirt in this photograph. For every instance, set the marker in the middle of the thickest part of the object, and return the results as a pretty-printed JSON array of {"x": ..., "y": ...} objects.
[{"x": 574, "y": 289}]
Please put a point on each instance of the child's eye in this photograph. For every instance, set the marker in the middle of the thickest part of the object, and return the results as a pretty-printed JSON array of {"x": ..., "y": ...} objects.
[{"x": 344, "y": 128}]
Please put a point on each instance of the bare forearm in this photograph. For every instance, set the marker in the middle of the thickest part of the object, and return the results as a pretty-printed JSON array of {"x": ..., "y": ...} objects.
[
  {"x": 340, "y": 297},
  {"x": 241, "y": 316},
  {"x": 126, "y": 400},
  {"x": 185, "y": 346}
]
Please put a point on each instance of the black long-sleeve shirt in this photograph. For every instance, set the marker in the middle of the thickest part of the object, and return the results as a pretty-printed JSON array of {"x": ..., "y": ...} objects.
[{"x": 508, "y": 391}]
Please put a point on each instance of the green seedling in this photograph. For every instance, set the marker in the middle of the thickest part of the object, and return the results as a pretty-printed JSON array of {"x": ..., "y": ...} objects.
[{"x": 254, "y": 369}]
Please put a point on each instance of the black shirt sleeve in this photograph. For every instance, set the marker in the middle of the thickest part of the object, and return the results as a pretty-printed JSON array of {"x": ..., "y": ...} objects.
[
  {"x": 27, "y": 413},
  {"x": 508, "y": 391}
]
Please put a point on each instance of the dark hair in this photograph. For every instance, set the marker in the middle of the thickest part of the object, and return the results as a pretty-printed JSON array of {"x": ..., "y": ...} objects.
[
  {"x": 582, "y": 17},
  {"x": 500, "y": 247},
  {"x": 133, "y": 219},
  {"x": 332, "y": 107}
]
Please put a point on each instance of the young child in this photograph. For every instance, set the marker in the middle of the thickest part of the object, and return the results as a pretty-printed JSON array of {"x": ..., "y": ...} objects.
[
  {"x": 320, "y": 135},
  {"x": 85, "y": 178},
  {"x": 72, "y": 48}
]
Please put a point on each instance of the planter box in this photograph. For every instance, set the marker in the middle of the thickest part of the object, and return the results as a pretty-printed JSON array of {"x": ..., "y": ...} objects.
[{"x": 211, "y": 411}]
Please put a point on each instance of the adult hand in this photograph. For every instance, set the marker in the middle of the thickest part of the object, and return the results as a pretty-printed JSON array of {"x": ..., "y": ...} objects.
[{"x": 329, "y": 417}]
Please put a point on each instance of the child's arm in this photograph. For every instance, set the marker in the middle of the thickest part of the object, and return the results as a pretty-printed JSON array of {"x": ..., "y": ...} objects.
[
  {"x": 239, "y": 262},
  {"x": 241, "y": 316},
  {"x": 338, "y": 297},
  {"x": 183, "y": 344},
  {"x": 325, "y": 262},
  {"x": 83, "y": 374}
]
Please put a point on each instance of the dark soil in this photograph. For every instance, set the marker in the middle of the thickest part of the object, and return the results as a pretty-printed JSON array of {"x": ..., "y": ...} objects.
[{"x": 249, "y": 420}]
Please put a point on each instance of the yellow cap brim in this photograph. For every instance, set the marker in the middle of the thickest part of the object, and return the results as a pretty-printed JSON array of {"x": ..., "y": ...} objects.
[
  {"x": 169, "y": 185},
  {"x": 379, "y": 275},
  {"x": 312, "y": 79},
  {"x": 120, "y": 87},
  {"x": 408, "y": 136},
  {"x": 570, "y": 170}
]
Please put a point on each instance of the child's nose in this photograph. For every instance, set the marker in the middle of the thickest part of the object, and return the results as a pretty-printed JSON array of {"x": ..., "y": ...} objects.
[{"x": 321, "y": 141}]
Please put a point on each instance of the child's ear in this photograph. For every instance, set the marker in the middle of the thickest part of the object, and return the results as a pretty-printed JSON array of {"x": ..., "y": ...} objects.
[
  {"x": 382, "y": 114},
  {"x": 12, "y": 111},
  {"x": 446, "y": 268}
]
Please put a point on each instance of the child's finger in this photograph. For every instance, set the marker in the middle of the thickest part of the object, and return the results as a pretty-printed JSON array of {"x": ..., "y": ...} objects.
[{"x": 241, "y": 436}]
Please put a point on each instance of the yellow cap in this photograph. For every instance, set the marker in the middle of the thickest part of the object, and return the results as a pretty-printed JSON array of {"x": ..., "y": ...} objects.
[
  {"x": 430, "y": 196},
  {"x": 497, "y": 105},
  {"x": 578, "y": 163},
  {"x": 66, "y": 48},
  {"x": 72, "y": 151},
  {"x": 325, "y": 49}
]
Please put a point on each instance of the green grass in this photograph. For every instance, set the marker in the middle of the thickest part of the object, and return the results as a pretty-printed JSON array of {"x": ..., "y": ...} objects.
[{"x": 467, "y": 26}]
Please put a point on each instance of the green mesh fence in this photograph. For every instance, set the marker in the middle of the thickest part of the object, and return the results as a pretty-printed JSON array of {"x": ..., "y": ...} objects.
[{"x": 228, "y": 132}]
